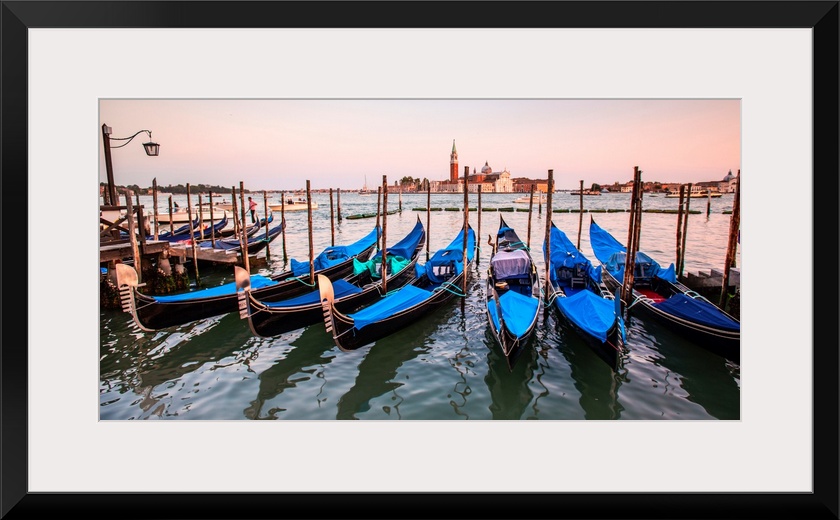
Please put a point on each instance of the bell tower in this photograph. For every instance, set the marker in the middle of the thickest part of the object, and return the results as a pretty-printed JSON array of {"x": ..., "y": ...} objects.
[{"x": 453, "y": 164}]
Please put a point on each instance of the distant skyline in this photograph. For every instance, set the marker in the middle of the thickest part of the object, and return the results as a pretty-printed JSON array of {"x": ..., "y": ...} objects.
[{"x": 339, "y": 143}]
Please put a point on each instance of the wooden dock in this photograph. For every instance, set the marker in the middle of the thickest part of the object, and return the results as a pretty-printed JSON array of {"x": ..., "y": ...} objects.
[
  {"x": 115, "y": 248},
  {"x": 183, "y": 252}
]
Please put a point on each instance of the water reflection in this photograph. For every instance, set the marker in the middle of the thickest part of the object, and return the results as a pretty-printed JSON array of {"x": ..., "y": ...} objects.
[
  {"x": 440, "y": 368},
  {"x": 598, "y": 382},
  {"x": 710, "y": 380},
  {"x": 509, "y": 392},
  {"x": 140, "y": 363},
  {"x": 306, "y": 357},
  {"x": 378, "y": 374}
]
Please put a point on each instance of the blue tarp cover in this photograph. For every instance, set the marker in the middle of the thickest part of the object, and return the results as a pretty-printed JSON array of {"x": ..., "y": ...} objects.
[
  {"x": 404, "y": 298},
  {"x": 405, "y": 247},
  {"x": 410, "y": 295},
  {"x": 612, "y": 254},
  {"x": 518, "y": 311},
  {"x": 398, "y": 254},
  {"x": 257, "y": 281},
  {"x": 593, "y": 313},
  {"x": 453, "y": 255},
  {"x": 698, "y": 311},
  {"x": 341, "y": 288},
  {"x": 335, "y": 254},
  {"x": 565, "y": 254}
]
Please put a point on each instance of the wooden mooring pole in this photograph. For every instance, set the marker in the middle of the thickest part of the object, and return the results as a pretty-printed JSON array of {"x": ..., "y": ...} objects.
[
  {"x": 633, "y": 234},
  {"x": 132, "y": 235},
  {"x": 243, "y": 236},
  {"x": 478, "y": 231},
  {"x": 338, "y": 204},
  {"x": 379, "y": 243},
  {"x": 679, "y": 224},
  {"x": 192, "y": 237},
  {"x": 530, "y": 212},
  {"x": 384, "y": 268},
  {"x": 171, "y": 228},
  {"x": 283, "y": 219},
  {"x": 332, "y": 220},
  {"x": 734, "y": 234},
  {"x": 212, "y": 222},
  {"x": 235, "y": 209},
  {"x": 155, "y": 207},
  {"x": 580, "y": 222},
  {"x": 466, "y": 227},
  {"x": 200, "y": 217},
  {"x": 684, "y": 232},
  {"x": 311, "y": 245},
  {"x": 266, "y": 211},
  {"x": 428, "y": 217},
  {"x": 550, "y": 192}
]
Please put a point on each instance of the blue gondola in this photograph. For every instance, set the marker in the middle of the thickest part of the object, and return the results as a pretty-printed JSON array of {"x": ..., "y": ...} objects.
[
  {"x": 582, "y": 299},
  {"x": 513, "y": 298},
  {"x": 658, "y": 294},
  {"x": 437, "y": 282},
  {"x": 364, "y": 287}
]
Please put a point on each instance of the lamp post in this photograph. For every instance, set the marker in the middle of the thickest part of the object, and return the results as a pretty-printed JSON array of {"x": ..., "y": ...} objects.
[{"x": 152, "y": 150}]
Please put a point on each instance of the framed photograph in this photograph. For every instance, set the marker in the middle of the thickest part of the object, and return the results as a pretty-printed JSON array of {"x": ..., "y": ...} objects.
[{"x": 59, "y": 59}]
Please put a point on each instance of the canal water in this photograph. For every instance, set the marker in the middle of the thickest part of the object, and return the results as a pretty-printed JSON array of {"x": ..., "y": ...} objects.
[{"x": 444, "y": 367}]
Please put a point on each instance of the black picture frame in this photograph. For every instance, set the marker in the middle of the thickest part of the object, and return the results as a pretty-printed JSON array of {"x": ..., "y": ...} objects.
[{"x": 19, "y": 16}]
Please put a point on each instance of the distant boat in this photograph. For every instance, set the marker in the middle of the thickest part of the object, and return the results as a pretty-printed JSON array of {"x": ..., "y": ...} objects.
[
  {"x": 298, "y": 204},
  {"x": 585, "y": 192},
  {"x": 538, "y": 197},
  {"x": 695, "y": 195},
  {"x": 364, "y": 191},
  {"x": 218, "y": 204},
  {"x": 180, "y": 215}
]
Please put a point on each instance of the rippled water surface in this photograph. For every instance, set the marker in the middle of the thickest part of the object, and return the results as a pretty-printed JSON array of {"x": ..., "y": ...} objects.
[{"x": 443, "y": 367}]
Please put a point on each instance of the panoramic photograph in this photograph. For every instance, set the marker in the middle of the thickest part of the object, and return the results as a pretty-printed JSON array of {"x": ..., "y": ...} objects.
[{"x": 419, "y": 259}]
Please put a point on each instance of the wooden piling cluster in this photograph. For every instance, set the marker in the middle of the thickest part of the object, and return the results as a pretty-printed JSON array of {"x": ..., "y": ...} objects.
[
  {"x": 633, "y": 234},
  {"x": 682, "y": 226},
  {"x": 137, "y": 240},
  {"x": 150, "y": 258}
]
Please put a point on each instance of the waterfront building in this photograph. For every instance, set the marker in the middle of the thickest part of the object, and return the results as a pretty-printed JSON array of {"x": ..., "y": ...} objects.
[{"x": 490, "y": 181}]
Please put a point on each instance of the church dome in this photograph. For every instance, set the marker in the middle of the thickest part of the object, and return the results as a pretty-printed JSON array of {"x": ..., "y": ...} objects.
[
  {"x": 486, "y": 168},
  {"x": 728, "y": 177}
]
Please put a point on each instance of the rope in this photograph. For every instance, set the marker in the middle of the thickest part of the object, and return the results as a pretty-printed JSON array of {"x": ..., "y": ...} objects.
[
  {"x": 696, "y": 296},
  {"x": 550, "y": 300},
  {"x": 300, "y": 280},
  {"x": 640, "y": 298},
  {"x": 445, "y": 287},
  {"x": 389, "y": 293}
]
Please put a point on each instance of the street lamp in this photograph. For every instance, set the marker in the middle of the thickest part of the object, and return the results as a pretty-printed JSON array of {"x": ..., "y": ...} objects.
[{"x": 152, "y": 149}]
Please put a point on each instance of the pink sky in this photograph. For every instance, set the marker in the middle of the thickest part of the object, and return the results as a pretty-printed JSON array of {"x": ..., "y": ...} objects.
[{"x": 279, "y": 144}]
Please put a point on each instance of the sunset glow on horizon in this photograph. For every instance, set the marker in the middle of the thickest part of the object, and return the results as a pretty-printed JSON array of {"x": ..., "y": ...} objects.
[{"x": 341, "y": 143}]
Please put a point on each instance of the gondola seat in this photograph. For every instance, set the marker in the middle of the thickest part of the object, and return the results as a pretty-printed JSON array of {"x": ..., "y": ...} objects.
[{"x": 513, "y": 267}]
